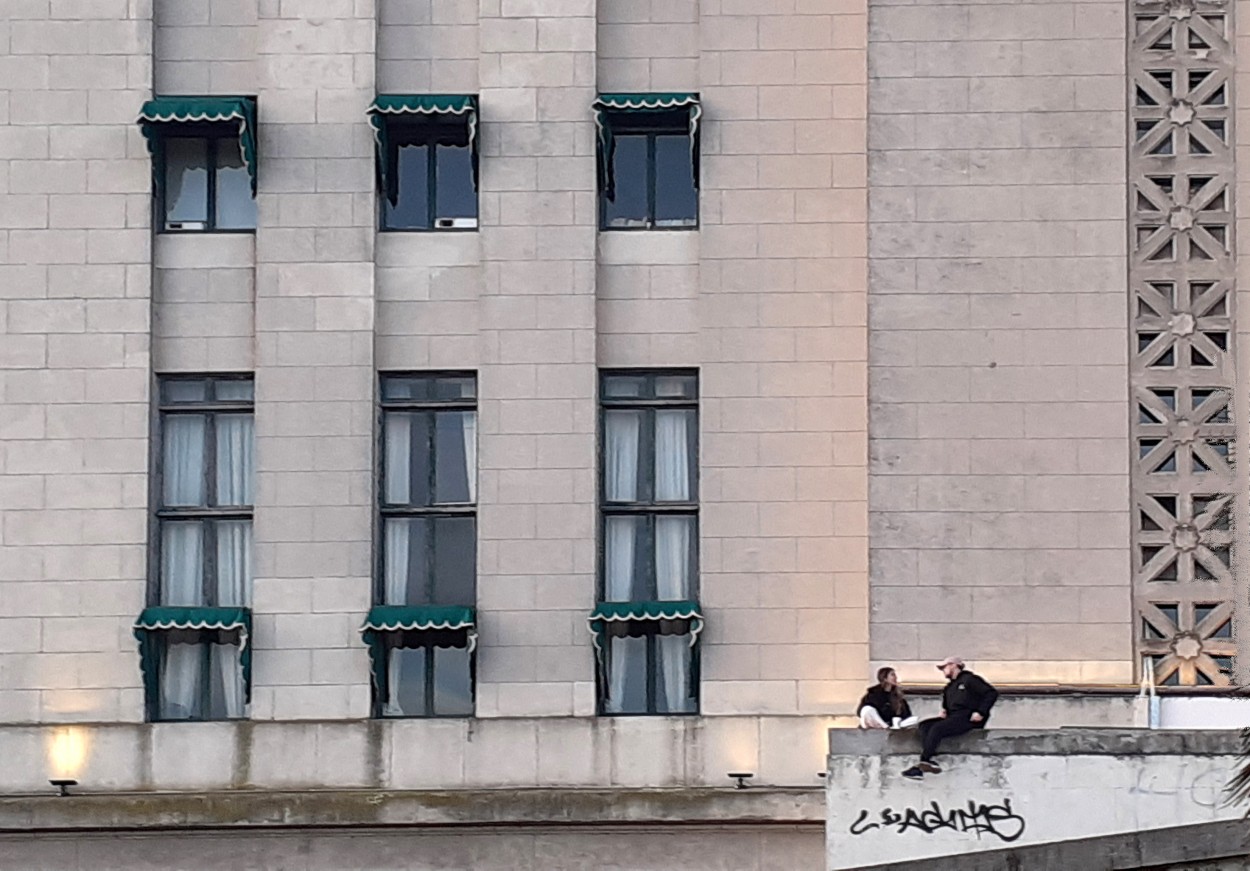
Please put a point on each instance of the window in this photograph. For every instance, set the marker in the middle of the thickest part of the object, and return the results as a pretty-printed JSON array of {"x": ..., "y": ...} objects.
[
  {"x": 648, "y": 158},
  {"x": 197, "y": 628},
  {"x": 427, "y": 161},
  {"x": 422, "y": 634},
  {"x": 206, "y": 186},
  {"x": 649, "y": 511},
  {"x": 204, "y": 162}
]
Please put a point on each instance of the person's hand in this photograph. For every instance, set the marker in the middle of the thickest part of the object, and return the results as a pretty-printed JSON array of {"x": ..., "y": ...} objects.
[
  {"x": 976, "y": 718},
  {"x": 942, "y": 713}
]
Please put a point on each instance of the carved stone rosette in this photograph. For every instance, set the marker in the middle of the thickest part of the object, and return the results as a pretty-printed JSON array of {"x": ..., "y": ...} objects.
[{"x": 1181, "y": 274}]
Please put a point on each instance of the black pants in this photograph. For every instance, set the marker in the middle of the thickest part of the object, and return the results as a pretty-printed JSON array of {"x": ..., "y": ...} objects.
[{"x": 933, "y": 730}]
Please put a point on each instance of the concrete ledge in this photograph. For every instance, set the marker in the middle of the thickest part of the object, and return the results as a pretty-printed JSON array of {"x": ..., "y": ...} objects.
[
  {"x": 1056, "y": 742},
  {"x": 1153, "y": 849},
  {"x": 498, "y": 807}
]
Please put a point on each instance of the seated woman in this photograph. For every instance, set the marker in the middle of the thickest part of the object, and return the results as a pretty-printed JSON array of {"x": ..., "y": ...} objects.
[{"x": 883, "y": 706}]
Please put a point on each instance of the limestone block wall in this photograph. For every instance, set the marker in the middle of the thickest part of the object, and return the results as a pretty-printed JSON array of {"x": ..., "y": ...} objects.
[
  {"x": 998, "y": 378},
  {"x": 75, "y": 289}
]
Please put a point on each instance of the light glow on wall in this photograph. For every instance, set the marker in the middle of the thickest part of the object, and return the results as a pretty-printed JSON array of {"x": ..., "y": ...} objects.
[{"x": 67, "y": 752}]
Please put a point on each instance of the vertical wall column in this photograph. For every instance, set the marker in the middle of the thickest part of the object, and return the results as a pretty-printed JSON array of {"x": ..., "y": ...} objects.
[
  {"x": 315, "y": 376},
  {"x": 537, "y": 343},
  {"x": 75, "y": 292},
  {"x": 1182, "y": 279}
]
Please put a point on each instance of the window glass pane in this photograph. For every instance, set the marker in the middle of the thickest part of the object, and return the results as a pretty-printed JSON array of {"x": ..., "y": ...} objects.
[
  {"x": 455, "y": 456},
  {"x": 182, "y": 563},
  {"x": 180, "y": 390},
  {"x": 674, "y": 693},
  {"x": 624, "y": 386},
  {"x": 234, "y": 563},
  {"x": 236, "y": 209},
  {"x": 455, "y": 561},
  {"x": 412, "y": 207},
  {"x": 405, "y": 577},
  {"x": 629, "y": 169},
  {"x": 226, "y": 693},
  {"x": 622, "y": 467},
  {"x": 453, "y": 689},
  {"x": 405, "y": 682},
  {"x": 674, "y": 557},
  {"x": 676, "y": 199},
  {"x": 406, "y": 460},
  {"x": 234, "y": 459},
  {"x": 674, "y": 466},
  {"x": 627, "y": 676},
  {"x": 234, "y": 390},
  {"x": 455, "y": 388},
  {"x": 182, "y": 460},
  {"x": 676, "y": 386},
  {"x": 455, "y": 196},
  {"x": 624, "y": 559},
  {"x": 405, "y": 388},
  {"x": 186, "y": 182},
  {"x": 181, "y": 689}
]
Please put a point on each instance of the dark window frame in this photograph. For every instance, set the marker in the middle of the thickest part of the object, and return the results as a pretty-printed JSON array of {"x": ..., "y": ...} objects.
[
  {"x": 652, "y": 127},
  {"x": 214, "y": 135},
  {"x": 650, "y": 509},
  {"x": 427, "y": 640},
  {"x": 430, "y": 643},
  {"x": 429, "y": 134},
  {"x": 207, "y": 515}
]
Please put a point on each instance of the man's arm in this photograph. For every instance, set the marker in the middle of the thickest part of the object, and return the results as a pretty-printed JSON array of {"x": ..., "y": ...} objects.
[{"x": 988, "y": 695}]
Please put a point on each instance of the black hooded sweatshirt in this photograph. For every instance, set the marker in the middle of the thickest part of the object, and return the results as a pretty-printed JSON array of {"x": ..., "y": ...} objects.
[
  {"x": 968, "y": 693},
  {"x": 878, "y": 697}
]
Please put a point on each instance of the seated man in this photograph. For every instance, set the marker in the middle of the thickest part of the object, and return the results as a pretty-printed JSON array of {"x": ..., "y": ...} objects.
[{"x": 966, "y": 704}]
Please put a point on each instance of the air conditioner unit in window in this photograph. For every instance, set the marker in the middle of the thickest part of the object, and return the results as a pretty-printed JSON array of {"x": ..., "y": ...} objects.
[
  {"x": 455, "y": 223},
  {"x": 185, "y": 225}
]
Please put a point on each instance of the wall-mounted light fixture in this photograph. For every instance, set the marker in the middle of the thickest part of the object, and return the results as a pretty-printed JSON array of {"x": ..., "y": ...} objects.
[
  {"x": 742, "y": 777},
  {"x": 63, "y": 784}
]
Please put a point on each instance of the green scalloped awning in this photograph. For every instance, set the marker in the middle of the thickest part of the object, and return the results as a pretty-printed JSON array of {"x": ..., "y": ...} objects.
[
  {"x": 163, "y": 115},
  {"x": 400, "y": 108},
  {"x": 607, "y": 105},
  {"x": 384, "y": 620},
  {"x": 643, "y": 612},
  {"x": 166, "y": 618}
]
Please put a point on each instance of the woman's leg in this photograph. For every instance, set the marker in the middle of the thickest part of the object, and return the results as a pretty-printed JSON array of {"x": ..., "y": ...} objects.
[{"x": 870, "y": 719}]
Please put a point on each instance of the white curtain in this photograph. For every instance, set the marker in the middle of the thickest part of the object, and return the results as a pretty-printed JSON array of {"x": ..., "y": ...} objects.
[
  {"x": 672, "y": 557},
  {"x": 183, "y": 460},
  {"x": 229, "y": 672},
  {"x": 619, "y": 651},
  {"x": 394, "y": 680},
  {"x": 234, "y": 459},
  {"x": 397, "y": 438},
  {"x": 672, "y": 456},
  {"x": 234, "y": 563},
  {"x": 674, "y": 654},
  {"x": 470, "y": 452},
  {"x": 397, "y": 534},
  {"x": 620, "y": 538},
  {"x": 181, "y": 681},
  {"x": 620, "y": 475},
  {"x": 182, "y": 563}
]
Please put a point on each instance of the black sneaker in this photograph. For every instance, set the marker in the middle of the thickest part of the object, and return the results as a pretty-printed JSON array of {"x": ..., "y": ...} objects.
[
  {"x": 930, "y": 768},
  {"x": 914, "y": 773}
]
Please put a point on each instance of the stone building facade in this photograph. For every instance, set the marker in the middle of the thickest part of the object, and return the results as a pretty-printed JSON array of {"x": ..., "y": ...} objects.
[{"x": 948, "y": 395}]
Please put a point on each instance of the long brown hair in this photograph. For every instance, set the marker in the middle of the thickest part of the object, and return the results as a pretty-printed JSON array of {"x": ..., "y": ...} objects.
[{"x": 896, "y": 694}]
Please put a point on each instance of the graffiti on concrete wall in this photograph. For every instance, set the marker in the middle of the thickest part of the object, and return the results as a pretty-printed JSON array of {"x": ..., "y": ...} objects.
[{"x": 997, "y": 820}]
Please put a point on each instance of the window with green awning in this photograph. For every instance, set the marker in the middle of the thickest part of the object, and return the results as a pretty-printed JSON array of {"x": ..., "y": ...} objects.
[
  {"x": 427, "y": 160},
  {"x": 409, "y": 638},
  {"x": 648, "y": 167},
  {"x": 647, "y": 654},
  {"x": 210, "y": 646},
  {"x": 204, "y": 161}
]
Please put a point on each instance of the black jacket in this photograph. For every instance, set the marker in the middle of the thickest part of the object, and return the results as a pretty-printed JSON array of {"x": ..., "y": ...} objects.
[
  {"x": 967, "y": 693},
  {"x": 878, "y": 698}
]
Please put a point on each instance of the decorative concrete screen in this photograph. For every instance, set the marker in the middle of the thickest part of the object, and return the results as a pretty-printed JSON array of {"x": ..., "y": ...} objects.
[{"x": 1002, "y": 789}]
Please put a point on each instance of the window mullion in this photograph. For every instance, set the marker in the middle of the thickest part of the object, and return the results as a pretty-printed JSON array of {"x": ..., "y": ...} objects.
[
  {"x": 651, "y": 180},
  {"x": 210, "y": 157},
  {"x": 206, "y": 683},
  {"x": 651, "y": 664},
  {"x": 429, "y": 680}
]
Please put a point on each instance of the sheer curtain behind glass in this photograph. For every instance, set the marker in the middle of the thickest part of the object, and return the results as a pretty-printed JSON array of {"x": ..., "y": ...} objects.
[
  {"x": 674, "y": 655},
  {"x": 622, "y": 431},
  {"x": 673, "y": 533}
]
